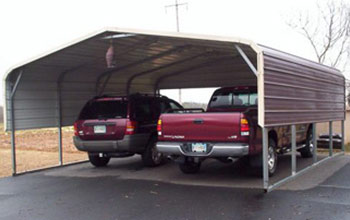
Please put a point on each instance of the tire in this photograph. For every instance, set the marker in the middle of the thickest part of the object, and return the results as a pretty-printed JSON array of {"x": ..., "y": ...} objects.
[
  {"x": 190, "y": 167},
  {"x": 98, "y": 161},
  {"x": 307, "y": 151},
  {"x": 256, "y": 161},
  {"x": 272, "y": 157},
  {"x": 151, "y": 157}
]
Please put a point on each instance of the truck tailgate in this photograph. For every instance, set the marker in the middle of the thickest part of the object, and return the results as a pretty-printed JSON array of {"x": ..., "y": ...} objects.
[{"x": 214, "y": 127}]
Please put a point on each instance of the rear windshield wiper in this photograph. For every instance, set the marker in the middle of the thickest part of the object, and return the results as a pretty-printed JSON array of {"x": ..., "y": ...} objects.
[{"x": 101, "y": 117}]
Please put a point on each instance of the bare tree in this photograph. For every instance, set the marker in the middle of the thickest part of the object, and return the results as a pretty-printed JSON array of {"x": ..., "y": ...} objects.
[{"x": 328, "y": 32}]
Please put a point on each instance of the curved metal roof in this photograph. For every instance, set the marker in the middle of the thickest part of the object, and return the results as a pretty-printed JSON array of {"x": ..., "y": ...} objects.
[{"x": 54, "y": 86}]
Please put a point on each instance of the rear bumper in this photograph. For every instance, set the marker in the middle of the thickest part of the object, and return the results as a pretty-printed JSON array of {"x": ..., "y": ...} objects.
[
  {"x": 130, "y": 143},
  {"x": 216, "y": 150}
]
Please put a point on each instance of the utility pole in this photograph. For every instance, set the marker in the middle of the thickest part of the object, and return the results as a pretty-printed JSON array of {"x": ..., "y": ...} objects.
[{"x": 176, "y": 6}]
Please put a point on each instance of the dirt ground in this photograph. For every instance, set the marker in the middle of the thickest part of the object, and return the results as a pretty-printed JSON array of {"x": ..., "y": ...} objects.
[{"x": 36, "y": 149}]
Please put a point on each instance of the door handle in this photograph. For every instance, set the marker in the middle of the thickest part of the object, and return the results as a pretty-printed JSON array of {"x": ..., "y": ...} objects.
[{"x": 198, "y": 121}]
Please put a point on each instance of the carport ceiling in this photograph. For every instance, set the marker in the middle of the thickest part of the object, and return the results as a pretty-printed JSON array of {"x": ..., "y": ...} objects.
[
  {"x": 145, "y": 62},
  {"x": 51, "y": 89}
]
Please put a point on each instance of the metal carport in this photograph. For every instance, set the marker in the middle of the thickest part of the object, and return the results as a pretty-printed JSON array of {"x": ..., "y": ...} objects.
[{"x": 50, "y": 90}]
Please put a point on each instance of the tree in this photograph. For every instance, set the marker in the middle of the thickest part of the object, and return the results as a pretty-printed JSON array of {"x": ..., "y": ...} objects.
[{"x": 328, "y": 32}]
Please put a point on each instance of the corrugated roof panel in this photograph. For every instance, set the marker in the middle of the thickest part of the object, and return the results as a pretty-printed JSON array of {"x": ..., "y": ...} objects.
[
  {"x": 80, "y": 70},
  {"x": 300, "y": 91}
]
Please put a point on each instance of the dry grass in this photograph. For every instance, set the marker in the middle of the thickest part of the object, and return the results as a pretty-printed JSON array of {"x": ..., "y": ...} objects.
[
  {"x": 25, "y": 160},
  {"x": 36, "y": 149},
  {"x": 347, "y": 148}
]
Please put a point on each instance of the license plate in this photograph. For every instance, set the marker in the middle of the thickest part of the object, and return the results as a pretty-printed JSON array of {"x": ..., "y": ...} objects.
[
  {"x": 99, "y": 129},
  {"x": 199, "y": 147}
]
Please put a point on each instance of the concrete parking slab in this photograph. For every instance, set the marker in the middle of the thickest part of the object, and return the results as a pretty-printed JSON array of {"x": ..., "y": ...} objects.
[
  {"x": 57, "y": 195},
  {"x": 213, "y": 173}
]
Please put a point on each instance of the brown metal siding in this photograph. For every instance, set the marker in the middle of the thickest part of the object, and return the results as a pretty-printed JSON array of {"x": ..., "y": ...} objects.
[{"x": 300, "y": 91}]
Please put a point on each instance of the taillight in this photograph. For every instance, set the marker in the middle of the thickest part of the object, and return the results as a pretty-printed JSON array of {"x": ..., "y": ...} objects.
[
  {"x": 130, "y": 127},
  {"x": 159, "y": 127},
  {"x": 244, "y": 126},
  {"x": 76, "y": 132}
]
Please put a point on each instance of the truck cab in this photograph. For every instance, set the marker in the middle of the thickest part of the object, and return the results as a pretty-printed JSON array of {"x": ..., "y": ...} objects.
[{"x": 227, "y": 129}]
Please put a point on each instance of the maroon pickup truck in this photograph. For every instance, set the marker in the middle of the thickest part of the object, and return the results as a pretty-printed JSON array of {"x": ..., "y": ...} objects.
[{"x": 228, "y": 129}]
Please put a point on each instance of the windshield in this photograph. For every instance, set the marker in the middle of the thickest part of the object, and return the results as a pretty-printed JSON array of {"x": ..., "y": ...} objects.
[
  {"x": 226, "y": 99},
  {"x": 104, "y": 109}
]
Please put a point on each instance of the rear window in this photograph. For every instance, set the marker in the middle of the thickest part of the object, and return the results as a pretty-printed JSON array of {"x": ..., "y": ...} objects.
[
  {"x": 224, "y": 99},
  {"x": 104, "y": 109}
]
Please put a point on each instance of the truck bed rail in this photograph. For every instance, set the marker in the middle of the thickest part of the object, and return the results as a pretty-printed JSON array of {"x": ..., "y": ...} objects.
[{"x": 186, "y": 110}]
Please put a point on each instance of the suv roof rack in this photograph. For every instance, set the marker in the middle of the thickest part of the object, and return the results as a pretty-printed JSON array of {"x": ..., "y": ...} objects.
[
  {"x": 131, "y": 95},
  {"x": 149, "y": 95}
]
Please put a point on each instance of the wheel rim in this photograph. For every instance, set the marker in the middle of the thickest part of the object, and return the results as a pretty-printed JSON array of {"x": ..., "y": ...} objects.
[
  {"x": 271, "y": 158},
  {"x": 156, "y": 156},
  {"x": 311, "y": 143}
]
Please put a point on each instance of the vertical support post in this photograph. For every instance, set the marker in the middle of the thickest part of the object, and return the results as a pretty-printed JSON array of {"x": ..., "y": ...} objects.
[
  {"x": 265, "y": 158},
  {"x": 314, "y": 142},
  {"x": 331, "y": 138},
  {"x": 294, "y": 147},
  {"x": 59, "y": 103},
  {"x": 343, "y": 135},
  {"x": 60, "y": 158},
  {"x": 180, "y": 96},
  {"x": 13, "y": 138},
  {"x": 13, "y": 128}
]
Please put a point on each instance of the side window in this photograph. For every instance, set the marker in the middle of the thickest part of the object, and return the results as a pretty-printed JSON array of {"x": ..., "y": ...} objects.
[
  {"x": 240, "y": 99},
  {"x": 174, "y": 105},
  {"x": 221, "y": 100},
  {"x": 164, "y": 106},
  {"x": 253, "y": 99}
]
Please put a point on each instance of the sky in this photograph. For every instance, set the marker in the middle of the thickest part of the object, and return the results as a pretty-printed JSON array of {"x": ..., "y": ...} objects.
[{"x": 29, "y": 28}]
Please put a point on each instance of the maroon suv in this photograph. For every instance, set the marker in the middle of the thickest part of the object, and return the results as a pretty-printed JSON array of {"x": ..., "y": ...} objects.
[{"x": 120, "y": 126}]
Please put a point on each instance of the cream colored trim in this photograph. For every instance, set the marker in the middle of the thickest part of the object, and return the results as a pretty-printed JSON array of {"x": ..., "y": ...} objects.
[
  {"x": 4, "y": 105},
  {"x": 71, "y": 43},
  {"x": 253, "y": 45},
  {"x": 261, "y": 94},
  {"x": 250, "y": 43}
]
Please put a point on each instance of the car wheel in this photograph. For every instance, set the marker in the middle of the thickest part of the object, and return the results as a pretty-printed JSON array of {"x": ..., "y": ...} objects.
[
  {"x": 308, "y": 150},
  {"x": 190, "y": 167},
  {"x": 151, "y": 157},
  {"x": 256, "y": 161},
  {"x": 272, "y": 157},
  {"x": 98, "y": 161}
]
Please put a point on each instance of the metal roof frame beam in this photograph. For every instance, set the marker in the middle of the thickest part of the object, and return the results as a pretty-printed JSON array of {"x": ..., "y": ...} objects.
[
  {"x": 188, "y": 69},
  {"x": 14, "y": 89},
  {"x": 160, "y": 68},
  {"x": 113, "y": 71},
  {"x": 13, "y": 129},
  {"x": 246, "y": 59},
  {"x": 125, "y": 51}
]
